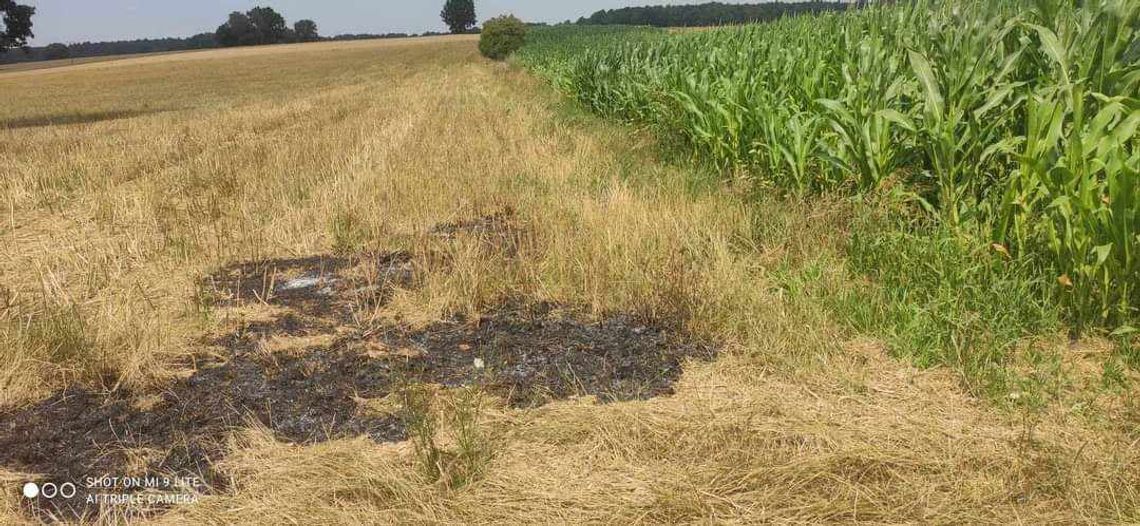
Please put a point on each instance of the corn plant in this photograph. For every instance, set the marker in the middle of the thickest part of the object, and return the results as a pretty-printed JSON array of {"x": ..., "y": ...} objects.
[{"x": 1014, "y": 116}]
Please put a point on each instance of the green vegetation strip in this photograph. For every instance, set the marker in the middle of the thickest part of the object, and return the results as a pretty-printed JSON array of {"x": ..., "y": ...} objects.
[
  {"x": 1002, "y": 133},
  {"x": 1019, "y": 119}
]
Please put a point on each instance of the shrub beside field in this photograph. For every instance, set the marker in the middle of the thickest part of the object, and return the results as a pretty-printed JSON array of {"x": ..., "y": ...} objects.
[
  {"x": 502, "y": 36},
  {"x": 1011, "y": 121}
]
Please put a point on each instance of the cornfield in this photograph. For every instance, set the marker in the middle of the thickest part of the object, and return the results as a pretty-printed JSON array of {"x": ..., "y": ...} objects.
[{"x": 1018, "y": 118}]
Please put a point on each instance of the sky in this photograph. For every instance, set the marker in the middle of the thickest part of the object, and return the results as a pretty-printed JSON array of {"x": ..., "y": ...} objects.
[{"x": 70, "y": 21}]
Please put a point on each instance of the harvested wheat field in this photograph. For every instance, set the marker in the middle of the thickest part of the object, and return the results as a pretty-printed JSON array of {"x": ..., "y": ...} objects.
[{"x": 394, "y": 282}]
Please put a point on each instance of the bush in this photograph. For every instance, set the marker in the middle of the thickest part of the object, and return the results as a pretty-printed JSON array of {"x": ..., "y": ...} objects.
[{"x": 502, "y": 36}]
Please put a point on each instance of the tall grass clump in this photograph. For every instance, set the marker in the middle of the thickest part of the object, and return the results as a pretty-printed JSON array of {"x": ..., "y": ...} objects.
[
  {"x": 1013, "y": 118},
  {"x": 945, "y": 299}
]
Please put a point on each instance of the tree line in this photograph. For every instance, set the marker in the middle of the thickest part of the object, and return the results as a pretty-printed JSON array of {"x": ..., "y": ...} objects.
[
  {"x": 122, "y": 47},
  {"x": 258, "y": 26},
  {"x": 710, "y": 14}
]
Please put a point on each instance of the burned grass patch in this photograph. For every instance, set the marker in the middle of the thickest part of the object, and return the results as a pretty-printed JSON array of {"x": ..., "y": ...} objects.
[
  {"x": 305, "y": 397},
  {"x": 533, "y": 354},
  {"x": 312, "y": 286},
  {"x": 501, "y": 232},
  {"x": 307, "y": 373}
]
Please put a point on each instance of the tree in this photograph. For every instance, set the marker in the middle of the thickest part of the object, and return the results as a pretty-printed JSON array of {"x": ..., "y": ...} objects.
[
  {"x": 459, "y": 15},
  {"x": 306, "y": 31},
  {"x": 237, "y": 31},
  {"x": 268, "y": 25},
  {"x": 260, "y": 25},
  {"x": 56, "y": 51},
  {"x": 17, "y": 26},
  {"x": 502, "y": 36}
]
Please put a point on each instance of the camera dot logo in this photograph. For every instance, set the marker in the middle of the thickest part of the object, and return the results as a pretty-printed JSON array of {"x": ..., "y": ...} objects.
[{"x": 50, "y": 490}]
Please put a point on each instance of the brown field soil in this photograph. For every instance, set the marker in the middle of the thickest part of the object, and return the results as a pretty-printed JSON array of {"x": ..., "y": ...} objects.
[
  {"x": 63, "y": 63},
  {"x": 391, "y": 282}
]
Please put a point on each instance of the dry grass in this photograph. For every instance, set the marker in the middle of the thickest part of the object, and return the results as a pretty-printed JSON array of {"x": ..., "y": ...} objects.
[{"x": 117, "y": 198}]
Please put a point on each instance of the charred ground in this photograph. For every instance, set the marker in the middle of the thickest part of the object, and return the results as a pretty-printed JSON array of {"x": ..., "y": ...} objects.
[{"x": 526, "y": 353}]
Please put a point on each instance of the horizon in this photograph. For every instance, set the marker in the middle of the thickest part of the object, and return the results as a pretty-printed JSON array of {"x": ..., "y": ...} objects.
[{"x": 71, "y": 22}]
